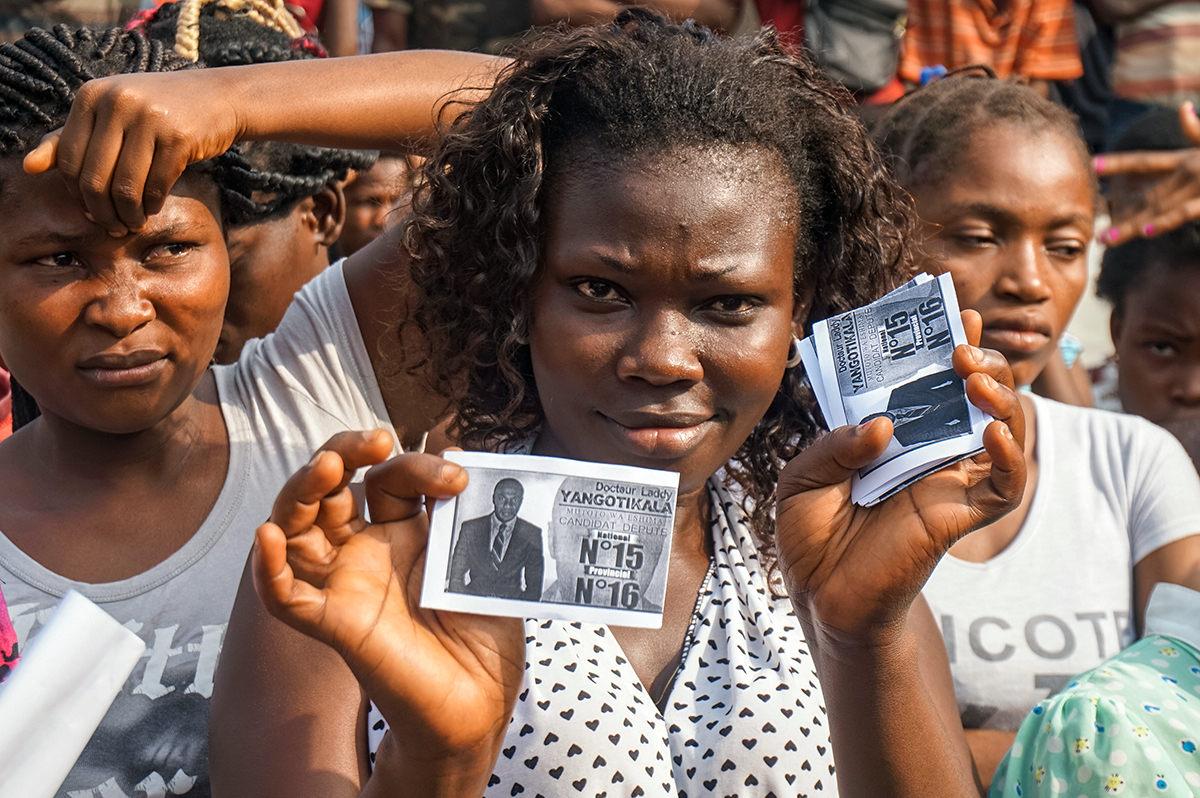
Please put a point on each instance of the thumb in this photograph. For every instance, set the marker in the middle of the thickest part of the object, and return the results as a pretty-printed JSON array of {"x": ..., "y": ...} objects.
[
  {"x": 834, "y": 458},
  {"x": 44, "y": 156}
]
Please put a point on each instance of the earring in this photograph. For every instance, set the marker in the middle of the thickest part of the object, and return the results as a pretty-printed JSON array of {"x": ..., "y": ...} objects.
[{"x": 794, "y": 355}]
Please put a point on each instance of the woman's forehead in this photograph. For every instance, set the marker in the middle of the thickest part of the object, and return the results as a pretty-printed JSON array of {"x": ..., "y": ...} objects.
[
  {"x": 591, "y": 162},
  {"x": 702, "y": 188},
  {"x": 43, "y": 202},
  {"x": 673, "y": 227}
]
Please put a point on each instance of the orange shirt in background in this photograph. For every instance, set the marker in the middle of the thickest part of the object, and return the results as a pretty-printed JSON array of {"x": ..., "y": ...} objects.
[{"x": 1031, "y": 38}]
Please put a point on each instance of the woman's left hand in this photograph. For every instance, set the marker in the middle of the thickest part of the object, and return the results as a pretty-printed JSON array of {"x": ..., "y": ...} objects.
[{"x": 853, "y": 572}]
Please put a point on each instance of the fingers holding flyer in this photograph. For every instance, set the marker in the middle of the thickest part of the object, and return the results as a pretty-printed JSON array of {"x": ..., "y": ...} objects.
[
  {"x": 894, "y": 359},
  {"x": 540, "y": 537}
]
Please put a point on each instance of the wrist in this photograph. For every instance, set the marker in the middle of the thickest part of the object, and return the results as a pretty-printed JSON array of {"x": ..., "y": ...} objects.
[
  {"x": 874, "y": 634},
  {"x": 874, "y": 653},
  {"x": 411, "y": 772}
]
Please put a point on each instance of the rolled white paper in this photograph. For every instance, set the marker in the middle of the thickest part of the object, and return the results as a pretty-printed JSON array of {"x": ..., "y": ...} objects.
[{"x": 57, "y": 696}]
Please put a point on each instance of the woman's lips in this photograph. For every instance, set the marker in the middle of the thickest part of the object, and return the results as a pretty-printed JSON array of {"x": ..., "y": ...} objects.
[
  {"x": 119, "y": 376},
  {"x": 1025, "y": 340},
  {"x": 667, "y": 439}
]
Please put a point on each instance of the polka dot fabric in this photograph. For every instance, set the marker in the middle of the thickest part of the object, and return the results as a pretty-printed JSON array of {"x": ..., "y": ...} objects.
[
  {"x": 1130, "y": 727},
  {"x": 745, "y": 716}
]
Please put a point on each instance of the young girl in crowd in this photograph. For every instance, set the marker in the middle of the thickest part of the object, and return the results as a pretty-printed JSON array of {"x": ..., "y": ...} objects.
[
  {"x": 140, "y": 482},
  {"x": 1005, "y": 191},
  {"x": 376, "y": 199},
  {"x": 1154, "y": 287},
  {"x": 612, "y": 257}
]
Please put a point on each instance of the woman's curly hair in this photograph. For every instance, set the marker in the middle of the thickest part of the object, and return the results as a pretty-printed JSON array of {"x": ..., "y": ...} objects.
[{"x": 638, "y": 86}]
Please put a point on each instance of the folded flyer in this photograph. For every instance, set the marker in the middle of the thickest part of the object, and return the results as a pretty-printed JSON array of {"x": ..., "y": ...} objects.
[{"x": 893, "y": 358}]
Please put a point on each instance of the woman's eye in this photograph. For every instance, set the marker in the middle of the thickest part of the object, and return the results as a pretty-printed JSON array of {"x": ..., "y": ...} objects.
[
  {"x": 975, "y": 238},
  {"x": 1069, "y": 251},
  {"x": 174, "y": 249},
  {"x": 59, "y": 260},
  {"x": 1161, "y": 349},
  {"x": 732, "y": 304},
  {"x": 597, "y": 289}
]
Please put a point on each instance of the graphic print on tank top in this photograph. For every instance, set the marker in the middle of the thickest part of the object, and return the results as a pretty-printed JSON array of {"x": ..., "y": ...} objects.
[{"x": 745, "y": 716}]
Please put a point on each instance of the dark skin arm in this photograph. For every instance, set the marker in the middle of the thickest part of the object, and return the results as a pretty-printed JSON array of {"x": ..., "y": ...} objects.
[
  {"x": 854, "y": 573},
  {"x": 988, "y": 747},
  {"x": 446, "y": 682}
]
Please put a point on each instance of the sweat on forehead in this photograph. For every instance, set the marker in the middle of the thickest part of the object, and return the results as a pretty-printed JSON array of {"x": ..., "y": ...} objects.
[{"x": 757, "y": 172}]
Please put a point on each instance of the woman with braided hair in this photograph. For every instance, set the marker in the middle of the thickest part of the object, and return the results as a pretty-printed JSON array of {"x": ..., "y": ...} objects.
[
  {"x": 141, "y": 472},
  {"x": 611, "y": 256}
]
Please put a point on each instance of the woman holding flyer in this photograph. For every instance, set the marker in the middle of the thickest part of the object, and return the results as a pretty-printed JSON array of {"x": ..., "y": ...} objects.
[
  {"x": 612, "y": 257},
  {"x": 1005, "y": 188}
]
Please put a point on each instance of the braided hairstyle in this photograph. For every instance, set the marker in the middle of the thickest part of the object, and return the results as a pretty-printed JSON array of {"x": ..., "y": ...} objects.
[
  {"x": 925, "y": 132},
  {"x": 635, "y": 87},
  {"x": 275, "y": 176},
  {"x": 41, "y": 73}
]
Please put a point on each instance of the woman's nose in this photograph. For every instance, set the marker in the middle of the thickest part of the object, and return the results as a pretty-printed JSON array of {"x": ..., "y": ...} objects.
[
  {"x": 121, "y": 307},
  {"x": 662, "y": 351},
  {"x": 1023, "y": 272}
]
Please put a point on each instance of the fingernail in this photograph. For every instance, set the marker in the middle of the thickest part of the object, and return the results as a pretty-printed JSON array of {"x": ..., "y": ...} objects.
[
  {"x": 1110, "y": 236},
  {"x": 862, "y": 428},
  {"x": 976, "y": 354},
  {"x": 1148, "y": 230},
  {"x": 450, "y": 472},
  {"x": 313, "y": 462},
  {"x": 1007, "y": 432},
  {"x": 1191, "y": 107},
  {"x": 1098, "y": 162},
  {"x": 89, "y": 217}
]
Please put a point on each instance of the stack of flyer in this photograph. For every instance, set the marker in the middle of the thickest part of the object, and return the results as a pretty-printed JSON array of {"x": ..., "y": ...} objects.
[{"x": 892, "y": 358}]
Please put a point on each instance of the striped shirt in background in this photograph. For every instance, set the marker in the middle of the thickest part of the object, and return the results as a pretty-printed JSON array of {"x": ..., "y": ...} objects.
[
  {"x": 1158, "y": 55},
  {"x": 1031, "y": 38}
]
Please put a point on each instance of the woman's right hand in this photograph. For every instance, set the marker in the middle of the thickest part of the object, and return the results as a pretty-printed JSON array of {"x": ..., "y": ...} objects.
[
  {"x": 446, "y": 682},
  {"x": 128, "y": 138}
]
